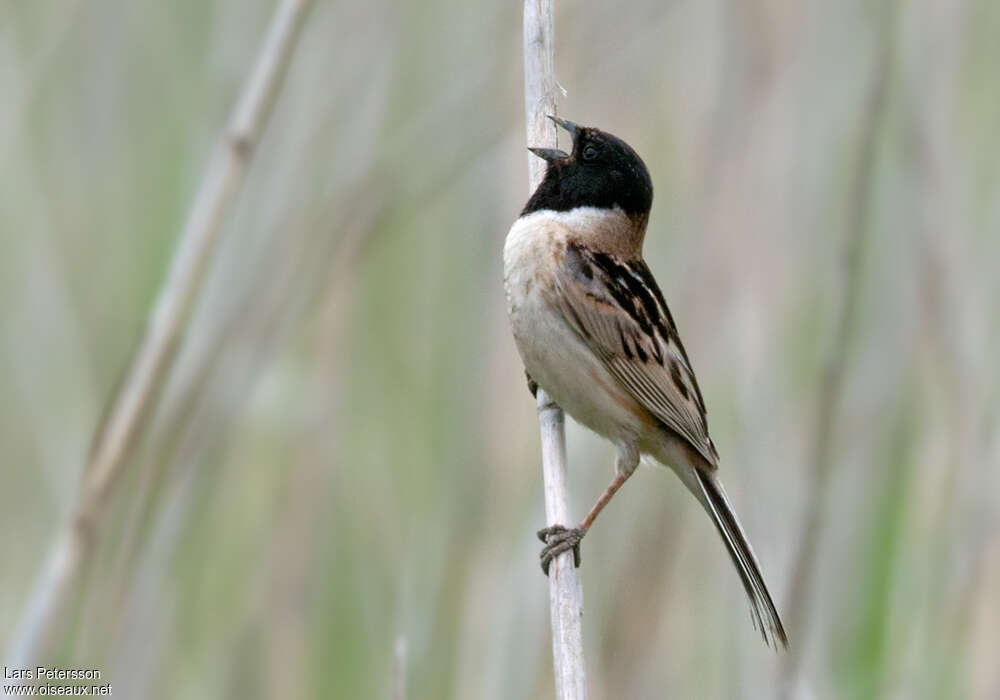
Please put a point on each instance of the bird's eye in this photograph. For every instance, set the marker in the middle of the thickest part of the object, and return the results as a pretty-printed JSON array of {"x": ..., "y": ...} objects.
[{"x": 590, "y": 152}]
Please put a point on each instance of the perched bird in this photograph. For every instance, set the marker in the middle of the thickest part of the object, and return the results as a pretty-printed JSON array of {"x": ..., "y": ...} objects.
[{"x": 594, "y": 332}]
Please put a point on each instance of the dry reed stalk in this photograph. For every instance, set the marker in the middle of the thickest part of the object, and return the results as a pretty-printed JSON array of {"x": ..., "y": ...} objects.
[
  {"x": 130, "y": 405},
  {"x": 565, "y": 592}
]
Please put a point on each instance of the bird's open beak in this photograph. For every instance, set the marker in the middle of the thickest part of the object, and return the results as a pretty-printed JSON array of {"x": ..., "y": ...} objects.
[
  {"x": 549, "y": 154},
  {"x": 569, "y": 126},
  {"x": 553, "y": 154}
]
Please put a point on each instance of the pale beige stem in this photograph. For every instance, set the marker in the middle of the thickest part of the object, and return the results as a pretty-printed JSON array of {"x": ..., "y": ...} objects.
[
  {"x": 223, "y": 179},
  {"x": 565, "y": 593},
  {"x": 828, "y": 399}
]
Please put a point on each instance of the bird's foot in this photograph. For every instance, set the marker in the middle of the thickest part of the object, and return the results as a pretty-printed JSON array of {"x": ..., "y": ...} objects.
[{"x": 559, "y": 539}]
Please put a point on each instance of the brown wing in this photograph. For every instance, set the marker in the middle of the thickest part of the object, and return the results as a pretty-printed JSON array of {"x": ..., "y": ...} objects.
[{"x": 618, "y": 310}]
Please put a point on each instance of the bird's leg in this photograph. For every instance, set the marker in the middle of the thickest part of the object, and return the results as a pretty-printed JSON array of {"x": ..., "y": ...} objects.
[{"x": 559, "y": 539}]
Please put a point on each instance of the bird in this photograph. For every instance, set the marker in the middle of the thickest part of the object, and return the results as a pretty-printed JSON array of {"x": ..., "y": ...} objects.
[{"x": 594, "y": 332}]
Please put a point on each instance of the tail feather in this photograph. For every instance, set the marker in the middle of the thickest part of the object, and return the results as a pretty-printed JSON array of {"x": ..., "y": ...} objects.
[{"x": 762, "y": 610}]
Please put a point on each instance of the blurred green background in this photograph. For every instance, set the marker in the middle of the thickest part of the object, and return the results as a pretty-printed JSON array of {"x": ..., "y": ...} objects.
[{"x": 340, "y": 477}]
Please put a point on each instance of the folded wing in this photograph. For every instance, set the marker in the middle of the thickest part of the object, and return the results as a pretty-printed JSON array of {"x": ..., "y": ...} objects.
[{"x": 617, "y": 308}]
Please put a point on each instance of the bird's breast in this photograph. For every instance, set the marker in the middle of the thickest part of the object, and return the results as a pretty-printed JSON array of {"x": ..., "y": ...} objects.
[
  {"x": 553, "y": 354},
  {"x": 528, "y": 256}
]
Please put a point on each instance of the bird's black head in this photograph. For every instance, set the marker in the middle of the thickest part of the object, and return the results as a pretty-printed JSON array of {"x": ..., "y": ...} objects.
[{"x": 602, "y": 171}]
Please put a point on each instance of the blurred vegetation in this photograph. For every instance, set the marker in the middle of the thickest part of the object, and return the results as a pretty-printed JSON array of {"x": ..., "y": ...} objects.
[{"x": 345, "y": 452}]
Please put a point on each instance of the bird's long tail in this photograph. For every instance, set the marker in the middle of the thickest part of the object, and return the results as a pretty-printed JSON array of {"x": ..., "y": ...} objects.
[{"x": 765, "y": 617}]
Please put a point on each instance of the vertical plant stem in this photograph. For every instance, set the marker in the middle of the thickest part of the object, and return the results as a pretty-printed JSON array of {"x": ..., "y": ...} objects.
[
  {"x": 835, "y": 365},
  {"x": 565, "y": 592},
  {"x": 130, "y": 405},
  {"x": 399, "y": 669}
]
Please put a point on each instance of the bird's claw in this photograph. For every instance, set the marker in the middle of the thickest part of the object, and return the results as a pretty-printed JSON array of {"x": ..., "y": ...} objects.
[{"x": 559, "y": 539}]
